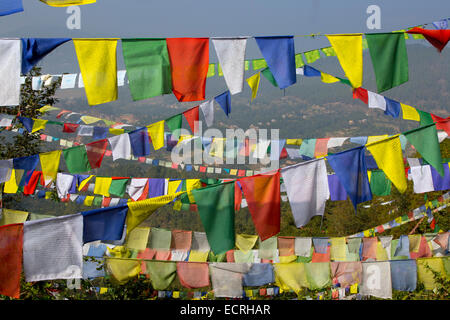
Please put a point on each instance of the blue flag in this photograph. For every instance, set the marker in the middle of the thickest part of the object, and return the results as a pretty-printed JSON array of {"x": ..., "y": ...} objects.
[
  {"x": 279, "y": 53},
  {"x": 34, "y": 49},
  {"x": 140, "y": 143},
  {"x": 359, "y": 140},
  {"x": 311, "y": 72},
  {"x": 404, "y": 275},
  {"x": 402, "y": 247},
  {"x": 392, "y": 108},
  {"x": 26, "y": 163},
  {"x": 27, "y": 123},
  {"x": 10, "y": 6},
  {"x": 259, "y": 274},
  {"x": 320, "y": 244},
  {"x": 224, "y": 100},
  {"x": 350, "y": 167},
  {"x": 100, "y": 133},
  {"x": 104, "y": 224}
]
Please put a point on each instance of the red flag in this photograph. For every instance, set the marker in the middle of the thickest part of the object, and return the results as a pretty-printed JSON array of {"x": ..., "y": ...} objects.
[
  {"x": 438, "y": 38},
  {"x": 283, "y": 154},
  {"x": 262, "y": 193},
  {"x": 321, "y": 257},
  {"x": 237, "y": 196},
  {"x": 32, "y": 183},
  {"x": 70, "y": 127},
  {"x": 192, "y": 118},
  {"x": 95, "y": 152},
  {"x": 106, "y": 201},
  {"x": 189, "y": 62},
  {"x": 424, "y": 250},
  {"x": 321, "y": 148},
  {"x": 61, "y": 113},
  {"x": 441, "y": 123},
  {"x": 11, "y": 240},
  {"x": 361, "y": 93}
]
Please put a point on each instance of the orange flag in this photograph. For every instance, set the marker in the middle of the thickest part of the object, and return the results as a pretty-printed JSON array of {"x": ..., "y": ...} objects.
[
  {"x": 262, "y": 193},
  {"x": 192, "y": 118},
  {"x": 11, "y": 239},
  {"x": 189, "y": 61}
]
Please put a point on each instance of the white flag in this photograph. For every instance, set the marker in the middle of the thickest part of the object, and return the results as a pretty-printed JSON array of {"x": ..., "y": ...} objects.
[{"x": 10, "y": 68}]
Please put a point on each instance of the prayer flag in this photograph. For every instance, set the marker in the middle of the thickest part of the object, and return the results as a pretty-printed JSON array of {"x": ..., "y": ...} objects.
[
  {"x": 156, "y": 132},
  {"x": 404, "y": 275},
  {"x": 50, "y": 164},
  {"x": 348, "y": 48},
  {"x": 253, "y": 83},
  {"x": 224, "y": 100},
  {"x": 262, "y": 193},
  {"x": 9, "y": 7},
  {"x": 389, "y": 59},
  {"x": 192, "y": 117},
  {"x": 148, "y": 67},
  {"x": 121, "y": 146},
  {"x": 34, "y": 49},
  {"x": 105, "y": 224},
  {"x": 193, "y": 275},
  {"x": 437, "y": 38},
  {"x": 98, "y": 65},
  {"x": 10, "y": 70},
  {"x": 208, "y": 111},
  {"x": 140, "y": 143},
  {"x": 161, "y": 273},
  {"x": 102, "y": 185},
  {"x": 189, "y": 61},
  {"x": 11, "y": 240},
  {"x": 66, "y": 3},
  {"x": 76, "y": 159},
  {"x": 269, "y": 76},
  {"x": 174, "y": 124},
  {"x": 122, "y": 270}
]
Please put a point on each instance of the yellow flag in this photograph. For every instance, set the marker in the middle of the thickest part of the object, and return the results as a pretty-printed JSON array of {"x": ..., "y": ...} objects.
[
  {"x": 233, "y": 172},
  {"x": 38, "y": 124},
  {"x": 414, "y": 242},
  {"x": 288, "y": 259},
  {"x": 389, "y": 158},
  {"x": 290, "y": 276},
  {"x": 50, "y": 164},
  {"x": 192, "y": 184},
  {"x": 173, "y": 187},
  {"x": 369, "y": 175},
  {"x": 253, "y": 82},
  {"x": 66, "y": 3},
  {"x": 245, "y": 242},
  {"x": 123, "y": 270},
  {"x": 89, "y": 119},
  {"x": 410, "y": 113},
  {"x": 138, "y": 238},
  {"x": 138, "y": 211},
  {"x": 11, "y": 186},
  {"x": 371, "y": 139},
  {"x": 349, "y": 50},
  {"x": 338, "y": 249},
  {"x": 381, "y": 253},
  {"x": 88, "y": 201},
  {"x": 46, "y": 108},
  {"x": 328, "y": 78},
  {"x": 10, "y": 216},
  {"x": 425, "y": 276},
  {"x": 156, "y": 132},
  {"x": 296, "y": 142},
  {"x": 102, "y": 185},
  {"x": 98, "y": 65},
  {"x": 115, "y": 131},
  {"x": 198, "y": 256},
  {"x": 84, "y": 182}
]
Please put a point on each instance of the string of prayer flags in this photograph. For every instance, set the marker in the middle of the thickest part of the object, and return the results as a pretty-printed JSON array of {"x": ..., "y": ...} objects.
[
  {"x": 10, "y": 53},
  {"x": 11, "y": 242},
  {"x": 348, "y": 48},
  {"x": 350, "y": 167},
  {"x": 389, "y": 158},
  {"x": 216, "y": 209},
  {"x": 437, "y": 38},
  {"x": 34, "y": 49},
  {"x": 49, "y": 164},
  {"x": 192, "y": 117},
  {"x": 425, "y": 141},
  {"x": 148, "y": 67},
  {"x": 389, "y": 59},
  {"x": 66, "y": 3},
  {"x": 253, "y": 83},
  {"x": 224, "y": 100},
  {"x": 279, "y": 53},
  {"x": 231, "y": 54},
  {"x": 10, "y": 6},
  {"x": 262, "y": 193},
  {"x": 98, "y": 66},
  {"x": 307, "y": 189},
  {"x": 189, "y": 61}
]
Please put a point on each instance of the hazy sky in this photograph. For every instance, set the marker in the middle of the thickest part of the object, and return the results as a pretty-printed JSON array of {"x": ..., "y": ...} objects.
[{"x": 208, "y": 18}]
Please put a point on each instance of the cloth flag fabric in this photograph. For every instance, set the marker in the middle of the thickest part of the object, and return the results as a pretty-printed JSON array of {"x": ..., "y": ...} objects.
[
  {"x": 104, "y": 224},
  {"x": 290, "y": 276},
  {"x": 279, "y": 53},
  {"x": 118, "y": 187},
  {"x": 349, "y": 50},
  {"x": 404, "y": 275},
  {"x": 346, "y": 273},
  {"x": 422, "y": 179},
  {"x": 137, "y": 187},
  {"x": 148, "y": 67},
  {"x": 376, "y": 279},
  {"x": 98, "y": 66},
  {"x": 425, "y": 276},
  {"x": 160, "y": 239},
  {"x": 259, "y": 274},
  {"x": 192, "y": 117},
  {"x": 216, "y": 209},
  {"x": 61, "y": 257},
  {"x": 189, "y": 61},
  {"x": 161, "y": 273},
  {"x": 66, "y": 3},
  {"x": 262, "y": 193},
  {"x": 174, "y": 124},
  {"x": 193, "y": 275},
  {"x": 10, "y": 70},
  {"x": 269, "y": 76},
  {"x": 102, "y": 185},
  {"x": 11, "y": 239},
  {"x": 156, "y": 132},
  {"x": 226, "y": 279},
  {"x": 34, "y": 49},
  {"x": 350, "y": 167},
  {"x": 181, "y": 240},
  {"x": 389, "y": 59},
  {"x": 245, "y": 242},
  {"x": 379, "y": 184},
  {"x": 140, "y": 143},
  {"x": 50, "y": 164},
  {"x": 425, "y": 141},
  {"x": 307, "y": 189},
  {"x": 122, "y": 270},
  {"x": 10, "y": 216},
  {"x": 224, "y": 100},
  {"x": 76, "y": 159},
  {"x": 441, "y": 183},
  {"x": 389, "y": 158},
  {"x": 437, "y": 38},
  {"x": 63, "y": 184},
  {"x": 302, "y": 246},
  {"x": 231, "y": 54},
  {"x": 337, "y": 190},
  {"x": 121, "y": 146},
  {"x": 253, "y": 83},
  {"x": 409, "y": 113},
  {"x": 10, "y": 6},
  {"x": 392, "y": 108},
  {"x": 208, "y": 111}
]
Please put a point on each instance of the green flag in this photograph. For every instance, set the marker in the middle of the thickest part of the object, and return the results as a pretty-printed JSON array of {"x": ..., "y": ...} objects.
[
  {"x": 269, "y": 76},
  {"x": 312, "y": 56},
  {"x": 161, "y": 273},
  {"x": 174, "y": 124},
  {"x": 117, "y": 187},
  {"x": 389, "y": 59},
  {"x": 425, "y": 141},
  {"x": 259, "y": 64},
  {"x": 76, "y": 159},
  {"x": 380, "y": 184},
  {"x": 216, "y": 208},
  {"x": 148, "y": 67},
  {"x": 299, "y": 60},
  {"x": 329, "y": 51},
  {"x": 425, "y": 118}
]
